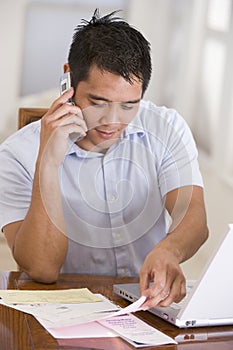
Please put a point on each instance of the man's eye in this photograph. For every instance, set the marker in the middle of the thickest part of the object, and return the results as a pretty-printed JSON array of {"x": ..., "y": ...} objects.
[
  {"x": 99, "y": 105},
  {"x": 127, "y": 107}
]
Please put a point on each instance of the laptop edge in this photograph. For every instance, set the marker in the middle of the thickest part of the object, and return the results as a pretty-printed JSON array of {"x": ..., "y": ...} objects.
[{"x": 211, "y": 281}]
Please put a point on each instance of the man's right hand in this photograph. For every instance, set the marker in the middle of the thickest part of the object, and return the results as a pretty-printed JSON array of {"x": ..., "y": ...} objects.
[{"x": 61, "y": 120}]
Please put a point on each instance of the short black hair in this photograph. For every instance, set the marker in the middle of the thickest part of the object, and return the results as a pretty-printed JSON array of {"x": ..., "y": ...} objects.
[{"x": 112, "y": 45}]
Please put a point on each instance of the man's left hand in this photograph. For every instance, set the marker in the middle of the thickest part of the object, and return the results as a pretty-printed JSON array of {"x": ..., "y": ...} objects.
[{"x": 163, "y": 269}]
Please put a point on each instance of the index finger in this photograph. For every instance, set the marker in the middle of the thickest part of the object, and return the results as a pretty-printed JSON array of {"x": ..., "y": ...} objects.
[
  {"x": 64, "y": 98},
  {"x": 144, "y": 281},
  {"x": 177, "y": 293},
  {"x": 159, "y": 291}
]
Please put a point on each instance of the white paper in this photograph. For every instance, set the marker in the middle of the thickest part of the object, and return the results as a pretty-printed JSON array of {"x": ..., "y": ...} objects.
[
  {"x": 63, "y": 315},
  {"x": 136, "y": 331},
  {"x": 134, "y": 307},
  {"x": 95, "y": 319}
]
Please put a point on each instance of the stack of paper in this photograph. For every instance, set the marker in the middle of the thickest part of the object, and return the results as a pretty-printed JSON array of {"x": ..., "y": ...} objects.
[{"x": 78, "y": 313}]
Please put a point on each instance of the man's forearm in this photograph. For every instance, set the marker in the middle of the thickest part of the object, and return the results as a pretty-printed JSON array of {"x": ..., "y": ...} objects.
[
  {"x": 42, "y": 233},
  {"x": 188, "y": 230},
  {"x": 187, "y": 233}
]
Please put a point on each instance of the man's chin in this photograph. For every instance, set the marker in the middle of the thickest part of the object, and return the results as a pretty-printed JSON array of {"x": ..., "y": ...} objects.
[
  {"x": 105, "y": 145},
  {"x": 93, "y": 144}
]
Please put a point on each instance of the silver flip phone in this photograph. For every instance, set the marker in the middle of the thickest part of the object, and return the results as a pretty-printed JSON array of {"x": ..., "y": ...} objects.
[{"x": 65, "y": 84}]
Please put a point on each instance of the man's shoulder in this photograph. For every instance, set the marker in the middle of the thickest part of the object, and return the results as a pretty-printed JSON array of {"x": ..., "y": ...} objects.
[
  {"x": 152, "y": 115},
  {"x": 162, "y": 111},
  {"x": 26, "y": 138}
]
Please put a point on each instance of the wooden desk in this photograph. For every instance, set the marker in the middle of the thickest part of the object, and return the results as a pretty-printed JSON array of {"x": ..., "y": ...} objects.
[{"x": 19, "y": 331}]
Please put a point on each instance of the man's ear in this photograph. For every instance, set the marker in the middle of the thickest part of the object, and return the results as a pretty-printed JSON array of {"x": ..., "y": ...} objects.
[{"x": 66, "y": 68}]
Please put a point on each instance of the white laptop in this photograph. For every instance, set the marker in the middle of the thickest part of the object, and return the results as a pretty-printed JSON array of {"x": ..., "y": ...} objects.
[{"x": 209, "y": 300}]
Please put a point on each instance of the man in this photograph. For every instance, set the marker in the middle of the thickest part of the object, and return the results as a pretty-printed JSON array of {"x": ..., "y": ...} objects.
[{"x": 93, "y": 186}]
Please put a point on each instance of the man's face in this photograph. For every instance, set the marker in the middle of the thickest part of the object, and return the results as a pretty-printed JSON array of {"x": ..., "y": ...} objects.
[{"x": 108, "y": 103}]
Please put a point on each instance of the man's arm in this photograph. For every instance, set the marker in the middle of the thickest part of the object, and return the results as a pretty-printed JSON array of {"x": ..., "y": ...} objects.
[
  {"x": 187, "y": 233},
  {"x": 39, "y": 242}
]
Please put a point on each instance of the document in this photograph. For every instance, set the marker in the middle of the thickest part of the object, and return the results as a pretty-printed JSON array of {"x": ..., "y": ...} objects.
[
  {"x": 71, "y": 296},
  {"x": 135, "y": 331},
  {"x": 86, "y": 330},
  {"x": 64, "y": 315},
  {"x": 89, "y": 315}
]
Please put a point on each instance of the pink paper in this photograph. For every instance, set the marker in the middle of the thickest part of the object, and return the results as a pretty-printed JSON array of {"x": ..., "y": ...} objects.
[{"x": 86, "y": 330}]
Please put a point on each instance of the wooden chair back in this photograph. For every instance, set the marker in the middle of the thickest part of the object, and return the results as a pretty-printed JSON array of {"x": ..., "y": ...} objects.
[{"x": 29, "y": 115}]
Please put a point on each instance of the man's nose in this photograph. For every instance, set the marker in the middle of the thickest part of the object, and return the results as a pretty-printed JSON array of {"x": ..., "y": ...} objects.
[{"x": 110, "y": 113}]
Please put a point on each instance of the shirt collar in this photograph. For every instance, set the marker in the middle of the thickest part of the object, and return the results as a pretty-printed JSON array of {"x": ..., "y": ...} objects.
[
  {"x": 75, "y": 149},
  {"x": 135, "y": 127}
]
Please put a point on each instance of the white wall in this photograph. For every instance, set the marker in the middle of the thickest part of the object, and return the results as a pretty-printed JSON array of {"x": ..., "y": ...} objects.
[
  {"x": 152, "y": 18},
  {"x": 11, "y": 39}
]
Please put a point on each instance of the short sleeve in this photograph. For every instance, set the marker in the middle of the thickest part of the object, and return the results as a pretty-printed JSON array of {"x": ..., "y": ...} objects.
[
  {"x": 179, "y": 162},
  {"x": 15, "y": 188}
]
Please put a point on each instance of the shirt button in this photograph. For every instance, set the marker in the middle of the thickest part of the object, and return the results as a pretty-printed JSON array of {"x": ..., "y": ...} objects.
[
  {"x": 112, "y": 197},
  {"x": 80, "y": 153},
  {"x": 121, "y": 271},
  {"x": 117, "y": 235}
]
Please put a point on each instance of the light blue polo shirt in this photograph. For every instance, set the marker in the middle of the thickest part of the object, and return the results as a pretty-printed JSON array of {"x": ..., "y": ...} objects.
[{"x": 112, "y": 202}]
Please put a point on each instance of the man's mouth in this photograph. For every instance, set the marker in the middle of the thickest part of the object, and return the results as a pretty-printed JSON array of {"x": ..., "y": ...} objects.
[{"x": 106, "y": 134}]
